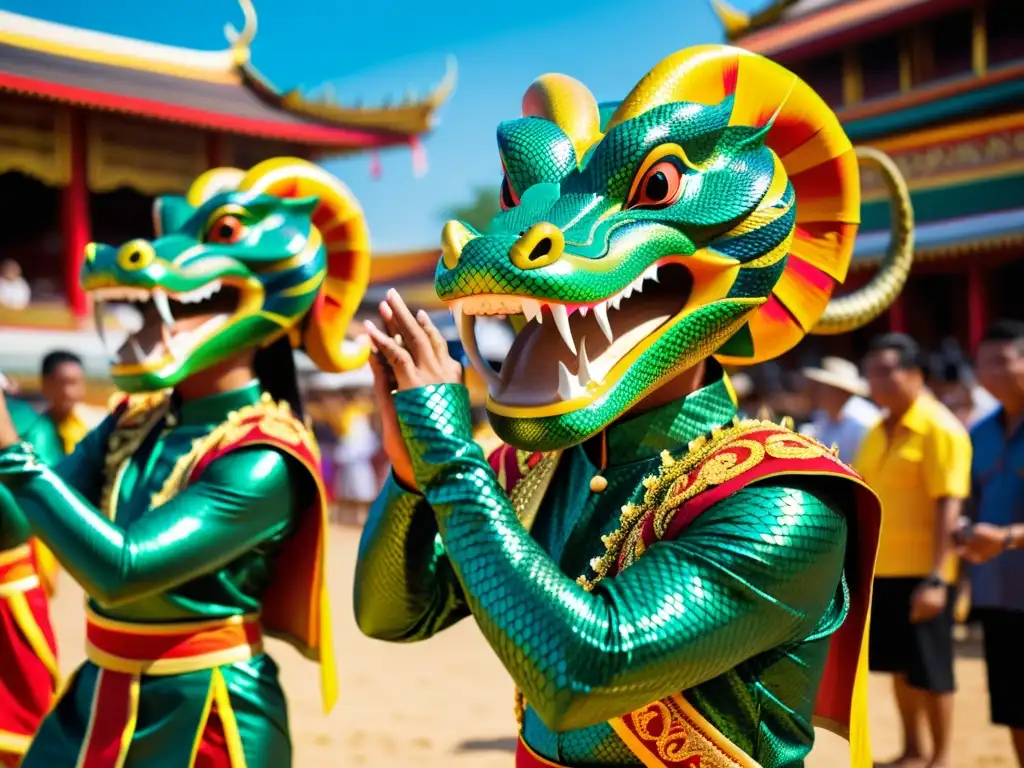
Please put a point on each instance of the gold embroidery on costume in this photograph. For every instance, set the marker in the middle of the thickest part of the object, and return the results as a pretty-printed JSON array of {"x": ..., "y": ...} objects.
[
  {"x": 720, "y": 468},
  {"x": 669, "y": 738},
  {"x": 141, "y": 414},
  {"x": 523, "y": 462},
  {"x": 717, "y": 459},
  {"x": 523, "y": 495},
  {"x": 679, "y": 735},
  {"x": 792, "y": 445}
]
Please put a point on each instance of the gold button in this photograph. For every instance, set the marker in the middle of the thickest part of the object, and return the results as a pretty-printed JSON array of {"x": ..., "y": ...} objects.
[{"x": 598, "y": 483}]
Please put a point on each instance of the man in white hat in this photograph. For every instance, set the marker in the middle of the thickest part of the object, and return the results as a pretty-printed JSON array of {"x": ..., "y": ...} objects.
[{"x": 843, "y": 415}]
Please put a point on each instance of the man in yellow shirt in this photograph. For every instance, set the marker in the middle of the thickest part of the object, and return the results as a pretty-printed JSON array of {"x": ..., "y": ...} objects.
[
  {"x": 63, "y": 388},
  {"x": 918, "y": 461}
]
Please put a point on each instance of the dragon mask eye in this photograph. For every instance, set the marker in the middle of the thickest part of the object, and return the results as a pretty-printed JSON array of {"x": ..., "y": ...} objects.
[
  {"x": 225, "y": 230},
  {"x": 659, "y": 185}
]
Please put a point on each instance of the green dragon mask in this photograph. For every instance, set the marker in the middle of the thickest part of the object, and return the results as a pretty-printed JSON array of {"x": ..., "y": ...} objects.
[
  {"x": 711, "y": 212},
  {"x": 243, "y": 259}
]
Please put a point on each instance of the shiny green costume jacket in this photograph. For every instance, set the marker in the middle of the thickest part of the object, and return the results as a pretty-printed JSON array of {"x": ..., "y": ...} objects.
[
  {"x": 737, "y": 611},
  {"x": 39, "y": 432},
  {"x": 204, "y": 554}
]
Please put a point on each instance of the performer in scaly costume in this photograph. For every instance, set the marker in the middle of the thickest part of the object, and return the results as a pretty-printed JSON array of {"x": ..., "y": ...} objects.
[
  {"x": 194, "y": 516},
  {"x": 28, "y": 648},
  {"x": 666, "y": 585}
]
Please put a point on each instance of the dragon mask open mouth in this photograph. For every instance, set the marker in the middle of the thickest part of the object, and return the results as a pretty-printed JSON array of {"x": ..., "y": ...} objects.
[
  {"x": 165, "y": 327},
  {"x": 711, "y": 212},
  {"x": 566, "y": 352}
]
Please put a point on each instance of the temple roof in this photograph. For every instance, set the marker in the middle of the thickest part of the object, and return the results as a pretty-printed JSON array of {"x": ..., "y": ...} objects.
[
  {"x": 949, "y": 237},
  {"x": 738, "y": 23},
  {"x": 219, "y": 90},
  {"x": 785, "y": 28},
  {"x": 803, "y": 7}
]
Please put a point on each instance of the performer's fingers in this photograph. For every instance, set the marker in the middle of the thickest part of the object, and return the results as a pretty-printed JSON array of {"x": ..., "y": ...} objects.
[
  {"x": 437, "y": 341},
  {"x": 383, "y": 377},
  {"x": 416, "y": 340},
  {"x": 399, "y": 359},
  {"x": 364, "y": 338},
  {"x": 388, "y": 316}
]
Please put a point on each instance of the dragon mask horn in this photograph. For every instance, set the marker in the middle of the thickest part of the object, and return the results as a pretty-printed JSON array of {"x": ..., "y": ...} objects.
[
  {"x": 211, "y": 183},
  {"x": 567, "y": 103},
  {"x": 338, "y": 221},
  {"x": 814, "y": 153}
]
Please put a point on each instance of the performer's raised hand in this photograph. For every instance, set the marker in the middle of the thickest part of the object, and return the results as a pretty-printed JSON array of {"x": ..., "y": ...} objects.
[
  {"x": 394, "y": 446},
  {"x": 412, "y": 346},
  {"x": 394, "y": 367}
]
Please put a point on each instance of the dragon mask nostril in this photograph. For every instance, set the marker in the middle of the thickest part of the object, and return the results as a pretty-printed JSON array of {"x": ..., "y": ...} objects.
[
  {"x": 540, "y": 245},
  {"x": 540, "y": 250}
]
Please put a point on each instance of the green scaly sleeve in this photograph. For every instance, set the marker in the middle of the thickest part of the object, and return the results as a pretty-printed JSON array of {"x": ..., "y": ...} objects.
[
  {"x": 405, "y": 588},
  {"x": 241, "y": 500},
  {"x": 750, "y": 575}
]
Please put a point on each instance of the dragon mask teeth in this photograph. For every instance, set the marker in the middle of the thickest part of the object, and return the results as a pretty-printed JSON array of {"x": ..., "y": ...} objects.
[
  {"x": 162, "y": 327},
  {"x": 565, "y": 352}
]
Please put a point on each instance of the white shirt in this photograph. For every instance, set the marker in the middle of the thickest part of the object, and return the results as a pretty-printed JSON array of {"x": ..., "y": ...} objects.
[
  {"x": 855, "y": 419},
  {"x": 14, "y": 294},
  {"x": 984, "y": 405}
]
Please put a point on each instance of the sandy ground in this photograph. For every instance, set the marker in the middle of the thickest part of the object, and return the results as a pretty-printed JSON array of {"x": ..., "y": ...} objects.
[{"x": 447, "y": 702}]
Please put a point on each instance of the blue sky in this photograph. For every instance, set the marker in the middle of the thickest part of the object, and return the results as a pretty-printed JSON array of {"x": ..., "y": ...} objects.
[{"x": 372, "y": 50}]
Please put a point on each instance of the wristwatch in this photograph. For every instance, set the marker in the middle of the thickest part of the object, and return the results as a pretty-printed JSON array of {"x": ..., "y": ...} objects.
[
  {"x": 934, "y": 580},
  {"x": 1010, "y": 540}
]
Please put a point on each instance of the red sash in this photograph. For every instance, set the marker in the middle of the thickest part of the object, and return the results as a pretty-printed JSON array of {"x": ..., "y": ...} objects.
[
  {"x": 527, "y": 758},
  {"x": 126, "y": 651}
]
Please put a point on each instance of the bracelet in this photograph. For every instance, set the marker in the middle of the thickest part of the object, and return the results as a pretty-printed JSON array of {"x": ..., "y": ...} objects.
[{"x": 1010, "y": 540}]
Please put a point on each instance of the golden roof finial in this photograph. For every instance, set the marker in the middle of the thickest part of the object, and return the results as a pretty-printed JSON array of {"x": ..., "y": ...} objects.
[
  {"x": 735, "y": 21},
  {"x": 240, "y": 41},
  {"x": 446, "y": 87}
]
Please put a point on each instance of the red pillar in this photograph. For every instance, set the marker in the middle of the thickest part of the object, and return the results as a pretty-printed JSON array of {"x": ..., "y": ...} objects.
[
  {"x": 898, "y": 315},
  {"x": 75, "y": 217},
  {"x": 215, "y": 151},
  {"x": 977, "y": 304}
]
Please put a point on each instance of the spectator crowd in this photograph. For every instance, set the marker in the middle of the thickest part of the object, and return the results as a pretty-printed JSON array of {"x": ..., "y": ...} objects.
[{"x": 941, "y": 442}]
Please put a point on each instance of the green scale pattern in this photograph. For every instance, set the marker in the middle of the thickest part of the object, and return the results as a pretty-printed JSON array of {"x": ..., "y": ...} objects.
[
  {"x": 206, "y": 553},
  {"x": 736, "y": 612}
]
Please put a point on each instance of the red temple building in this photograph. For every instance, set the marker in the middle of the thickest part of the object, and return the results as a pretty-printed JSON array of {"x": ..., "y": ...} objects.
[
  {"x": 939, "y": 86},
  {"x": 93, "y": 125}
]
